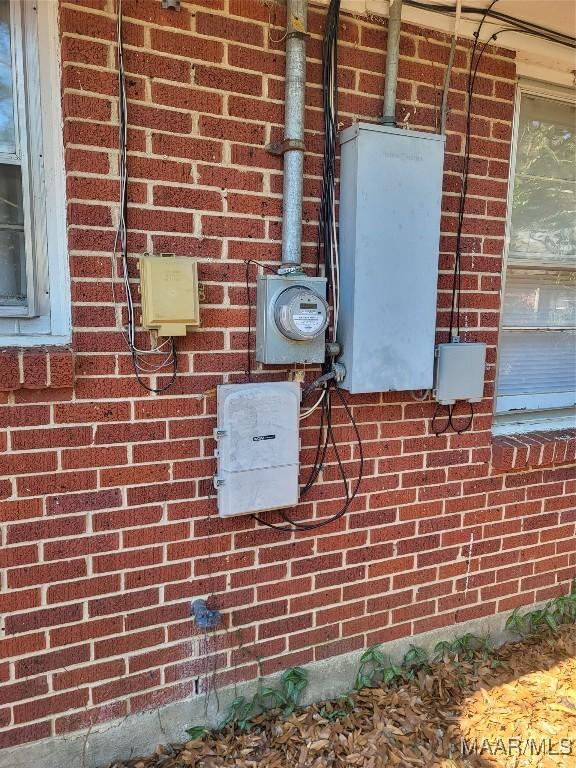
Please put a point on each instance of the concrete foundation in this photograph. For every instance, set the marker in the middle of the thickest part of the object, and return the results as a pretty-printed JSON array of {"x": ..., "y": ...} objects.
[{"x": 139, "y": 734}]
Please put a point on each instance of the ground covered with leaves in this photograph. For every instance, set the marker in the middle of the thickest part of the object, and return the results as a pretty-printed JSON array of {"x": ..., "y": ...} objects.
[{"x": 509, "y": 708}]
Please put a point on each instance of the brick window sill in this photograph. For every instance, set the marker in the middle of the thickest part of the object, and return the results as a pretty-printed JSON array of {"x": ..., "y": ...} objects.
[
  {"x": 36, "y": 368},
  {"x": 534, "y": 449}
]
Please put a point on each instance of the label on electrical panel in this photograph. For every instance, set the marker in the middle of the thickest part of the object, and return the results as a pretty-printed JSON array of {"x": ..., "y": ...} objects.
[{"x": 308, "y": 320}]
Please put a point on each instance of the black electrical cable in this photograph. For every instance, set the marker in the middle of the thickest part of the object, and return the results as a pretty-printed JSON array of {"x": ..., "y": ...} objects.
[
  {"x": 326, "y": 252},
  {"x": 516, "y": 24},
  {"x": 467, "y": 423},
  {"x": 439, "y": 432},
  {"x": 456, "y": 277},
  {"x": 349, "y": 496},
  {"x": 171, "y": 380},
  {"x": 450, "y": 420},
  {"x": 140, "y": 367},
  {"x": 326, "y": 219},
  {"x": 455, "y": 304}
]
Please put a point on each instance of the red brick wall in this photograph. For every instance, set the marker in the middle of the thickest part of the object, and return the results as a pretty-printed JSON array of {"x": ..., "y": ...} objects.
[{"x": 107, "y": 532}]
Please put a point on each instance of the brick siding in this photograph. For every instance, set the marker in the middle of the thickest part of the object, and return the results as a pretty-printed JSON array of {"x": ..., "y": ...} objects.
[{"x": 107, "y": 532}]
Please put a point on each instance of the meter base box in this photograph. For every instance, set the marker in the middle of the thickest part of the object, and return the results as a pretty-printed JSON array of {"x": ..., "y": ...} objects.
[
  {"x": 390, "y": 196},
  {"x": 257, "y": 447},
  {"x": 272, "y": 347},
  {"x": 459, "y": 372}
]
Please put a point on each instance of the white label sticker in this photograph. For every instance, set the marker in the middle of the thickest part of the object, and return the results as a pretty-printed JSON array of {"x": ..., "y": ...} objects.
[{"x": 308, "y": 320}]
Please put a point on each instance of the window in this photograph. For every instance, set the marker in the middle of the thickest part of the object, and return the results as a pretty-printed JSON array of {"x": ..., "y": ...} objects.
[
  {"x": 537, "y": 351},
  {"x": 34, "y": 295}
]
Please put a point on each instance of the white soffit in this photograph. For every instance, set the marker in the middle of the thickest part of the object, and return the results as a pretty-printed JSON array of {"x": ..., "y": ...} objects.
[{"x": 536, "y": 58}]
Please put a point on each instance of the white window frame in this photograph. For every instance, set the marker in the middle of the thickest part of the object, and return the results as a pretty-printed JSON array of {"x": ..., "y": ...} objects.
[
  {"x": 39, "y": 145},
  {"x": 550, "y": 410}
]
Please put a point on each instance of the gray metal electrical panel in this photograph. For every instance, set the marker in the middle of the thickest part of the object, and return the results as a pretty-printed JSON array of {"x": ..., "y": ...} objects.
[{"x": 390, "y": 200}]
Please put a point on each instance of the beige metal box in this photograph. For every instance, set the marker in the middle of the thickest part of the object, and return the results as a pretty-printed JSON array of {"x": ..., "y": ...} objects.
[{"x": 169, "y": 291}]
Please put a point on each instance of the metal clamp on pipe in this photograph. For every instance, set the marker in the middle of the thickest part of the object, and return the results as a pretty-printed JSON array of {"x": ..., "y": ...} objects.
[{"x": 288, "y": 145}]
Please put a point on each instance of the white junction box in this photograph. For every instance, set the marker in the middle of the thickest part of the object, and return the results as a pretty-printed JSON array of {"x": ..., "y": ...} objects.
[
  {"x": 257, "y": 447},
  {"x": 459, "y": 372},
  {"x": 390, "y": 196}
]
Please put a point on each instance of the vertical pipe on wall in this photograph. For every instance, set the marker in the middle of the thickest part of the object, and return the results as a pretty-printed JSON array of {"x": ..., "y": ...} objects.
[
  {"x": 392, "y": 59},
  {"x": 446, "y": 89},
  {"x": 295, "y": 90}
]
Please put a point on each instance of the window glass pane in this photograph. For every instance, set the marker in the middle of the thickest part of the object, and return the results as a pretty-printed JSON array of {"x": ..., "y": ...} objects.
[
  {"x": 11, "y": 209},
  {"x": 543, "y": 222},
  {"x": 7, "y": 133},
  {"x": 12, "y": 268},
  {"x": 537, "y": 361},
  {"x": 12, "y": 242},
  {"x": 540, "y": 299}
]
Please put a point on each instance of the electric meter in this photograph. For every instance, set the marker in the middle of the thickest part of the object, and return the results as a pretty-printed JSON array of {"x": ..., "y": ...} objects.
[
  {"x": 291, "y": 317},
  {"x": 300, "y": 314}
]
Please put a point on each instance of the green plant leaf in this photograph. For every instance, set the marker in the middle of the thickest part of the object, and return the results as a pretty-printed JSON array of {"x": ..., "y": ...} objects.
[{"x": 551, "y": 622}]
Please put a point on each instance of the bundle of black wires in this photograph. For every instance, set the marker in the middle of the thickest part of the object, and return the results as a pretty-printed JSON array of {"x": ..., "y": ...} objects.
[
  {"x": 475, "y": 59},
  {"x": 514, "y": 24},
  {"x": 327, "y": 251},
  {"x": 327, "y": 240},
  {"x": 326, "y": 442},
  {"x": 454, "y": 329}
]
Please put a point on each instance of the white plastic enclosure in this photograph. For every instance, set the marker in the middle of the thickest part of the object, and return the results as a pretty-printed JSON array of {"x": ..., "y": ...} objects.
[{"x": 257, "y": 447}]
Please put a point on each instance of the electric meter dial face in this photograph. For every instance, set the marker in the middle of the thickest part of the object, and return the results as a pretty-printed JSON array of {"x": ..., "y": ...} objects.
[{"x": 300, "y": 313}]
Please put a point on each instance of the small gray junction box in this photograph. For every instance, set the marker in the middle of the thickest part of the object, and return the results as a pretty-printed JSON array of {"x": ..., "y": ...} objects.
[{"x": 459, "y": 372}]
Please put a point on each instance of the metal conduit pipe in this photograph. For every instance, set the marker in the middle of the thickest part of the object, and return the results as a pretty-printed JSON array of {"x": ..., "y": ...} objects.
[
  {"x": 392, "y": 59},
  {"x": 293, "y": 148}
]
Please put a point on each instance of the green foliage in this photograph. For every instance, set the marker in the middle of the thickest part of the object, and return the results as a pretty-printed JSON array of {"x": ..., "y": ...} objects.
[
  {"x": 196, "y": 732},
  {"x": 464, "y": 648},
  {"x": 293, "y": 683},
  {"x": 561, "y": 610},
  {"x": 372, "y": 662},
  {"x": 242, "y": 711},
  {"x": 332, "y": 714},
  {"x": 375, "y": 668},
  {"x": 414, "y": 660},
  {"x": 443, "y": 649}
]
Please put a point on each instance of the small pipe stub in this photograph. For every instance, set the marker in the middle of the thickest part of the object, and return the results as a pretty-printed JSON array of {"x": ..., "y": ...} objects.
[
  {"x": 171, "y": 5},
  {"x": 204, "y": 617},
  {"x": 288, "y": 145}
]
